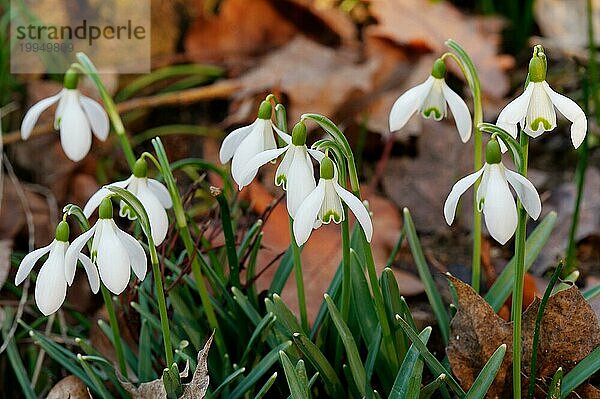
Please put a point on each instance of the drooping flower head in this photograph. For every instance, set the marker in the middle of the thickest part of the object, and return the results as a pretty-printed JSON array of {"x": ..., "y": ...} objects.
[
  {"x": 246, "y": 142},
  {"x": 51, "y": 284},
  {"x": 494, "y": 198},
  {"x": 534, "y": 109},
  {"x": 324, "y": 204},
  {"x": 77, "y": 116},
  {"x": 295, "y": 172},
  {"x": 430, "y": 99},
  {"x": 114, "y": 252},
  {"x": 153, "y": 195}
]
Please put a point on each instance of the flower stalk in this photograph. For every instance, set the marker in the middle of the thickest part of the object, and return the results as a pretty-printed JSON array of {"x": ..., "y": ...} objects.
[{"x": 114, "y": 327}]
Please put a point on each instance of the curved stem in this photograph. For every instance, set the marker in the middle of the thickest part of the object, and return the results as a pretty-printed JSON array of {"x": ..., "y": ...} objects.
[
  {"x": 111, "y": 109},
  {"x": 517, "y": 299},
  {"x": 162, "y": 303},
  {"x": 470, "y": 72},
  {"x": 114, "y": 326},
  {"x": 299, "y": 279}
]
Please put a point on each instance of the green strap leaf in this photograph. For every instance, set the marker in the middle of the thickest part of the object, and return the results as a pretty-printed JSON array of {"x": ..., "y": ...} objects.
[
  {"x": 297, "y": 389},
  {"x": 581, "y": 372},
  {"x": 400, "y": 390},
  {"x": 487, "y": 375},
  {"x": 554, "y": 388}
]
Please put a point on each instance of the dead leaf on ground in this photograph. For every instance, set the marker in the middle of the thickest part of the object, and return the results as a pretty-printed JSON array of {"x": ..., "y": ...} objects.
[
  {"x": 69, "y": 387},
  {"x": 314, "y": 78},
  {"x": 568, "y": 333},
  {"x": 428, "y": 24},
  {"x": 5, "y": 251},
  {"x": 196, "y": 389},
  {"x": 322, "y": 253}
]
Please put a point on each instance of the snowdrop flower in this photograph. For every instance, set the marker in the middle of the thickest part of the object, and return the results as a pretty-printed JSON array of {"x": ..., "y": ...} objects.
[
  {"x": 75, "y": 116},
  {"x": 494, "y": 197},
  {"x": 534, "y": 109},
  {"x": 153, "y": 195},
  {"x": 114, "y": 252},
  {"x": 245, "y": 143},
  {"x": 324, "y": 204},
  {"x": 51, "y": 284},
  {"x": 430, "y": 98},
  {"x": 295, "y": 173}
]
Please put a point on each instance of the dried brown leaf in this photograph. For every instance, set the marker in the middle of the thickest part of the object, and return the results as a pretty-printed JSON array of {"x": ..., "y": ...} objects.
[
  {"x": 5, "y": 251},
  {"x": 69, "y": 387},
  {"x": 428, "y": 24},
  {"x": 568, "y": 333}
]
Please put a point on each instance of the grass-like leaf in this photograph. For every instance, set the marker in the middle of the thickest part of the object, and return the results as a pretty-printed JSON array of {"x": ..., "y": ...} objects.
[
  {"x": 400, "y": 390},
  {"x": 297, "y": 388},
  {"x": 428, "y": 390},
  {"x": 581, "y": 372},
  {"x": 487, "y": 375}
]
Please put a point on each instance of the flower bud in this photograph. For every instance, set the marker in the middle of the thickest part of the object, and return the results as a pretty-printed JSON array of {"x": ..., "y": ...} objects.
[
  {"x": 264, "y": 111},
  {"x": 140, "y": 169},
  {"x": 493, "y": 153},
  {"x": 62, "y": 231},
  {"x": 439, "y": 69},
  {"x": 105, "y": 210},
  {"x": 299, "y": 134},
  {"x": 326, "y": 168},
  {"x": 71, "y": 79}
]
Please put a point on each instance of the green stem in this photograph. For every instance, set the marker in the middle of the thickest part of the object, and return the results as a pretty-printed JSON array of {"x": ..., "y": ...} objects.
[
  {"x": 234, "y": 265},
  {"x": 346, "y": 289},
  {"x": 162, "y": 304},
  {"x": 111, "y": 109},
  {"x": 517, "y": 299},
  {"x": 299, "y": 279},
  {"x": 470, "y": 73},
  {"x": 114, "y": 326}
]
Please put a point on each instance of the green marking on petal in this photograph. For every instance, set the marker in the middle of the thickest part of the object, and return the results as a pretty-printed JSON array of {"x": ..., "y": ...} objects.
[
  {"x": 536, "y": 124},
  {"x": 281, "y": 179},
  {"x": 331, "y": 215},
  {"x": 437, "y": 114},
  {"x": 480, "y": 204}
]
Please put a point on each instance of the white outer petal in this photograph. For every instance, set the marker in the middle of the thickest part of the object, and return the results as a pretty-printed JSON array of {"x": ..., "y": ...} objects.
[
  {"x": 159, "y": 222},
  {"x": 526, "y": 192},
  {"x": 75, "y": 133},
  {"x": 457, "y": 190},
  {"x": 287, "y": 139},
  {"x": 257, "y": 161},
  {"x": 358, "y": 208},
  {"x": 513, "y": 113},
  {"x": 251, "y": 146},
  {"x": 301, "y": 180},
  {"x": 96, "y": 116},
  {"x": 316, "y": 154},
  {"x": 51, "y": 286},
  {"x": 136, "y": 253},
  {"x": 161, "y": 193},
  {"x": 112, "y": 258},
  {"x": 91, "y": 271},
  {"x": 30, "y": 260},
  {"x": 408, "y": 103},
  {"x": 73, "y": 252},
  {"x": 499, "y": 209},
  {"x": 307, "y": 214},
  {"x": 34, "y": 113},
  {"x": 233, "y": 140},
  {"x": 572, "y": 112},
  {"x": 460, "y": 111},
  {"x": 99, "y": 195}
]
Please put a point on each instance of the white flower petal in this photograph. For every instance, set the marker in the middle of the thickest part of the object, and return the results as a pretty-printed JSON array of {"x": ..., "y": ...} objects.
[
  {"x": 572, "y": 112},
  {"x": 91, "y": 271},
  {"x": 307, "y": 214},
  {"x": 99, "y": 195},
  {"x": 251, "y": 146},
  {"x": 408, "y": 103},
  {"x": 499, "y": 209},
  {"x": 34, "y": 113},
  {"x": 159, "y": 222},
  {"x": 331, "y": 208},
  {"x": 73, "y": 252},
  {"x": 460, "y": 111},
  {"x": 515, "y": 111},
  {"x": 75, "y": 133},
  {"x": 259, "y": 160},
  {"x": 434, "y": 104},
  {"x": 316, "y": 154},
  {"x": 300, "y": 180},
  {"x": 287, "y": 139},
  {"x": 30, "y": 260},
  {"x": 97, "y": 117},
  {"x": 526, "y": 192},
  {"x": 358, "y": 208},
  {"x": 161, "y": 193},
  {"x": 51, "y": 286},
  {"x": 457, "y": 190},
  {"x": 541, "y": 116},
  {"x": 483, "y": 186},
  {"x": 112, "y": 258},
  {"x": 233, "y": 141},
  {"x": 137, "y": 256}
]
